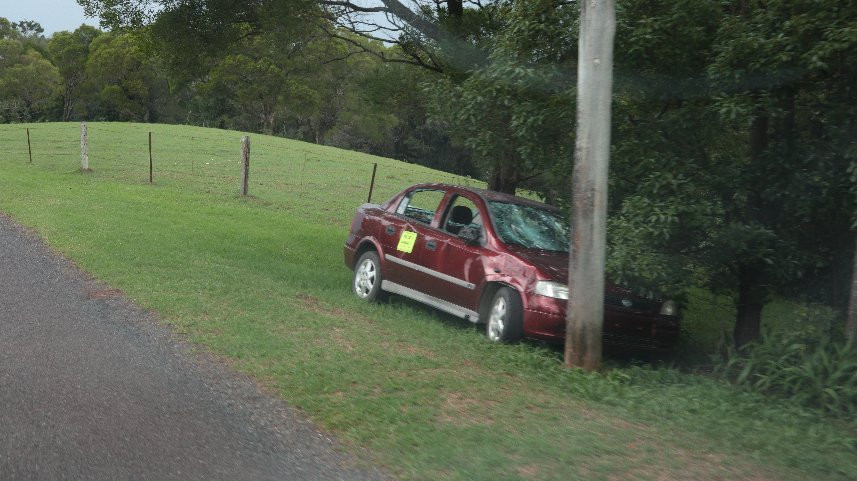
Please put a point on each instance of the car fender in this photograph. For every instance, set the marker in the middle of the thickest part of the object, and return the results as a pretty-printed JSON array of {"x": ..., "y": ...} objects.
[
  {"x": 514, "y": 274},
  {"x": 369, "y": 243},
  {"x": 499, "y": 279}
]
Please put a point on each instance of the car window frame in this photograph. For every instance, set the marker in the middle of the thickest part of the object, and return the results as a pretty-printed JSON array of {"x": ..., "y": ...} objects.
[
  {"x": 447, "y": 211},
  {"x": 441, "y": 206}
]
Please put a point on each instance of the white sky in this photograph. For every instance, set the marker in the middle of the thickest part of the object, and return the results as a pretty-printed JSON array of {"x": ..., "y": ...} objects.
[{"x": 53, "y": 15}]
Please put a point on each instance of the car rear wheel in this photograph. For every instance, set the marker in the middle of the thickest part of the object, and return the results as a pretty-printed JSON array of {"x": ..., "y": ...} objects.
[
  {"x": 505, "y": 317},
  {"x": 367, "y": 278}
]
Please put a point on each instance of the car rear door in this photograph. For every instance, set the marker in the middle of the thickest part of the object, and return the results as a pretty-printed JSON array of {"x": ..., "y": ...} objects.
[{"x": 403, "y": 236}]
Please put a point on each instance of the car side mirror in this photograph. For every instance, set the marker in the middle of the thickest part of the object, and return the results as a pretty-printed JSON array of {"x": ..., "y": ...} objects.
[{"x": 470, "y": 234}]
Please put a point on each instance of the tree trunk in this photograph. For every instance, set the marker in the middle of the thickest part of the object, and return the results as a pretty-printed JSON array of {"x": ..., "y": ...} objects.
[
  {"x": 751, "y": 296},
  {"x": 66, "y": 104},
  {"x": 851, "y": 326},
  {"x": 455, "y": 8},
  {"x": 751, "y": 300},
  {"x": 759, "y": 134},
  {"x": 503, "y": 179},
  {"x": 585, "y": 313}
]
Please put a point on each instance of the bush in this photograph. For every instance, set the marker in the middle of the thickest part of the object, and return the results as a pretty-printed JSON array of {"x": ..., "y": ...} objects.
[{"x": 814, "y": 371}]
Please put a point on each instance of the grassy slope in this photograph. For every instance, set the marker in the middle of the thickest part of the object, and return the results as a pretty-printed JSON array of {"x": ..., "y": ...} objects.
[{"x": 261, "y": 282}]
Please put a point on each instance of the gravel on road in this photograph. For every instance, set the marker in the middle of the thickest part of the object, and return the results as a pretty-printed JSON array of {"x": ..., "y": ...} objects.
[{"x": 93, "y": 387}]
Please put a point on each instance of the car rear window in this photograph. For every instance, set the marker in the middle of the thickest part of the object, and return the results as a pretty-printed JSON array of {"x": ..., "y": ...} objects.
[{"x": 420, "y": 205}]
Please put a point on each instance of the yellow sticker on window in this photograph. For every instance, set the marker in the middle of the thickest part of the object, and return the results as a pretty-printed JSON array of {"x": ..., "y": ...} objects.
[{"x": 406, "y": 242}]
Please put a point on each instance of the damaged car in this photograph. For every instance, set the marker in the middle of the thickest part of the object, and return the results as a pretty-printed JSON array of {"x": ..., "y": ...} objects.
[{"x": 490, "y": 258}]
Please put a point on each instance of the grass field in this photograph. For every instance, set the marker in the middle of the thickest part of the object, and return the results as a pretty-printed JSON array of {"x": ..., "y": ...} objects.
[{"x": 260, "y": 281}]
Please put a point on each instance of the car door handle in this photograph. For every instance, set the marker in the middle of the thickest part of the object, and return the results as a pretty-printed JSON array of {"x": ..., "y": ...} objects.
[
  {"x": 391, "y": 230},
  {"x": 431, "y": 245}
]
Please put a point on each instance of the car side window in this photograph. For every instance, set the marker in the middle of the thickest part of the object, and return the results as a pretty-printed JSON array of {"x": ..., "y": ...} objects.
[
  {"x": 462, "y": 213},
  {"x": 420, "y": 205}
]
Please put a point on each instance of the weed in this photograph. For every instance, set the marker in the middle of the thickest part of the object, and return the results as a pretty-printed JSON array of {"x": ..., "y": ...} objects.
[{"x": 811, "y": 370}]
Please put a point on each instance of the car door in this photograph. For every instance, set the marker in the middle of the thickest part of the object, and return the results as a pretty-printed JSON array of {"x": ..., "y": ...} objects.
[
  {"x": 457, "y": 267},
  {"x": 403, "y": 236}
]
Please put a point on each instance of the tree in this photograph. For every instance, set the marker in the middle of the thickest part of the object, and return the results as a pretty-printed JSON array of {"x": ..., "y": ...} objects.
[
  {"x": 29, "y": 84},
  {"x": 787, "y": 69},
  {"x": 433, "y": 35},
  {"x": 752, "y": 158},
  {"x": 254, "y": 86},
  {"x": 123, "y": 82},
  {"x": 513, "y": 110},
  {"x": 29, "y": 28},
  {"x": 69, "y": 52},
  {"x": 7, "y": 29},
  {"x": 190, "y": 36},
  {"x": 414, "y": 134}
]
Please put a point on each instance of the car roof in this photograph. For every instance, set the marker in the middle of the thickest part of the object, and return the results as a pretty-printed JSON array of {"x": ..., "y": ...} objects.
[{"x": 488, "y": 195}]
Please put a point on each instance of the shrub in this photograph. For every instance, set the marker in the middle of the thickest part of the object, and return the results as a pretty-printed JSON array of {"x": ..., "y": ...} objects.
[{"x": 814, "y": 371}]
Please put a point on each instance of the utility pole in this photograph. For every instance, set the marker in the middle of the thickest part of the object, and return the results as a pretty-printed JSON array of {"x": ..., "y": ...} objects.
[{"x": 585, "y": 313}]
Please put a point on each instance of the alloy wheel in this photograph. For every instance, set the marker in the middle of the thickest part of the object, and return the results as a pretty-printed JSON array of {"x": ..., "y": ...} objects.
[
  {"x": 364, "y": 281},
  {"x": 497, "y": 319}
]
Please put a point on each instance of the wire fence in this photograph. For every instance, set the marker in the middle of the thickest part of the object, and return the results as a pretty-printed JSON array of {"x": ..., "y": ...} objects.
[{"x": 284, "y": 173}]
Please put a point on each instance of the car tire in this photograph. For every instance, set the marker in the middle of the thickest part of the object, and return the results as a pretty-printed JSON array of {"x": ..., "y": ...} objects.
[
  {"x": 367, "y": 278},
  {"x": 505, "y": 320}
]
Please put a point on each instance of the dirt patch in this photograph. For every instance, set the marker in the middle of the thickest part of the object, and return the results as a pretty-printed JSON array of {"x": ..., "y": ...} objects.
[
  {"x": 410, "y": 349},
  {"x": 460, "y": 410},
  {"x": 530, "y": 471},
  {"x": 103, "y": 293},
  {"x": 341, "y": 339},
  {"x": 313, "y": 304},
  {"x": 647, "y": 458}
]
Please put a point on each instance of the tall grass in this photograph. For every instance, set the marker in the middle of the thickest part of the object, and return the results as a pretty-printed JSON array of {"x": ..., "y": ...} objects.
[{"x": 811, "y": 370}]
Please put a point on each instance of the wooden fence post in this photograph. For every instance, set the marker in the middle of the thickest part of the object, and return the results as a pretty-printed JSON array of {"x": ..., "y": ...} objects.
[
  {"x": 84, "y": 149},
  {"x": 372, "y": 182},
  {"x": 150, "y": 157},
  {"x": 29, "y": 149},
  {"x": 245, "y": 161}
]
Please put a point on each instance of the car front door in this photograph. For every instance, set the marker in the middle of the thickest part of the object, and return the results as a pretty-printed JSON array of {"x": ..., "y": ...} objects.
[{"x": 457, "y": 270}]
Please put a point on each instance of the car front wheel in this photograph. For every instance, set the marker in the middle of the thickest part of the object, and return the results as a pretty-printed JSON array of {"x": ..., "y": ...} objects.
[
  {"x": 505, "y": 317},
  {"x": 367, "y": 277}
]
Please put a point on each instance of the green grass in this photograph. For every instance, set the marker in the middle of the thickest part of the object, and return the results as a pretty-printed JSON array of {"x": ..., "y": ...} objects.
[{"x": 261, "y": 282}]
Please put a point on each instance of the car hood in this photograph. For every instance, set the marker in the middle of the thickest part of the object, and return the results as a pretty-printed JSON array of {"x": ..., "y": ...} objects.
[
  {"x": 555, "y": 265},
  {"x": 551, "y": 263}
]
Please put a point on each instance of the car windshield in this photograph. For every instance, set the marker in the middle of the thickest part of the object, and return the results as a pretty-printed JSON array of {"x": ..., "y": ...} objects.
[{"x": 529, "y": 226}]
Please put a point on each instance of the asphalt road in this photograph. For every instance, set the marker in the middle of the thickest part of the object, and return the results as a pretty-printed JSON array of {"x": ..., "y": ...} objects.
[{"x": 91, "y": 387}]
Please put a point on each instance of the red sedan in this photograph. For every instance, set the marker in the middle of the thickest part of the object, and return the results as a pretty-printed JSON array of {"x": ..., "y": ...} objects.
[{"x": 490, "y": 258}]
